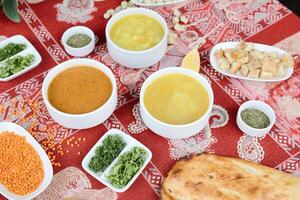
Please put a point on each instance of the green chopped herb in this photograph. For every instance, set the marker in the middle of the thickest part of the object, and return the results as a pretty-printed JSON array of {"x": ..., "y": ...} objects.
[
  {"x": 127, "y": 166},
  {"x": 106, "y": 153},
  {"x": 78, "y": 40},
  {"x": 14, "y": 65},
  {"x": 10, "y": 50},
  {"x": 255, "y": 118}
]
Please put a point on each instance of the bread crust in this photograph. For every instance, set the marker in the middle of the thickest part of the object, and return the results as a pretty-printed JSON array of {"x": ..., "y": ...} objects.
[{"x": 208, "y": 177}]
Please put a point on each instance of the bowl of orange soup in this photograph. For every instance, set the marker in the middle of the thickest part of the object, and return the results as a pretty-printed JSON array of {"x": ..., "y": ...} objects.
[
  {"x": 137, "y": 37},
  {"x": 176, "y": 102},
  {"x": 80, "y": 93}
]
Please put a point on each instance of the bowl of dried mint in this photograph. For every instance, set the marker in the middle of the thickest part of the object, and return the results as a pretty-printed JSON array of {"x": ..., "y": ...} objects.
[
  {"x": 78, "y": 41},
  {"x": 255, "y": 118}
]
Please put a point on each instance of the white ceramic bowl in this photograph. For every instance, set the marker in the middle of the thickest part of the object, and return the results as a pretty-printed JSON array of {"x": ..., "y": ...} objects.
[
  {"x": 259, "y": 105},
  {"x": 82, "y": 51},
  {"x": 48, "y": 170},
  {"x": 137, "y": 59},
  {"x": 130, "y": 143},
  {"x": 169, "y": 130},
  {"x": 86, "y": 120},
  {"x": 170, "y": 3}
]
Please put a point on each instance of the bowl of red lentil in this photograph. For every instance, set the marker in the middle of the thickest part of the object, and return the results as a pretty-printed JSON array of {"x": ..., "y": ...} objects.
[{"x": 25, "y": 169}]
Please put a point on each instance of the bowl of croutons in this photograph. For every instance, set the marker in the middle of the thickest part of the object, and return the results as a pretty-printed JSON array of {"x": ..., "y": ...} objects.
[{"x": 251, "y": 61}]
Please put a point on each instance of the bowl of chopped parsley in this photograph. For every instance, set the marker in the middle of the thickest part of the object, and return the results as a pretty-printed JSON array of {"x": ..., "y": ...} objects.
[
  {"x": 106, "y": 153},
  {"x": 123, "y": 172},
  {"x": 255, "y": 118},
  {"x": 10, "y": 50},
  {"x": 17, "y": 56},
  {"x": 116, "y": 160}
]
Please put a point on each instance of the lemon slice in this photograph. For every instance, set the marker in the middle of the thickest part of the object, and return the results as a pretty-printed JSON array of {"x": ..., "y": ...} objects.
[{"x": 192, "y": 61}]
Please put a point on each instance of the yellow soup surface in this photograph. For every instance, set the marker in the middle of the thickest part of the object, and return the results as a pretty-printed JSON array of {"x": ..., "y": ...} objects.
[
  {"x": 136, "y": 32},
  {"x": 176, "y": 99},
  {"x": 79, "y": 90}
]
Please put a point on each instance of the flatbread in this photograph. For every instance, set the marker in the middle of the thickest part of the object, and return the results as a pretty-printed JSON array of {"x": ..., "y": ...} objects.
[
  {"x": 164, "y": 195},
  {"x": 208, "y": 177}
]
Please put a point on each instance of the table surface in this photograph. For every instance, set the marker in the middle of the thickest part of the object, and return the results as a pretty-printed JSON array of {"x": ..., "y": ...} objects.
[{"x": 262, "y": 21}]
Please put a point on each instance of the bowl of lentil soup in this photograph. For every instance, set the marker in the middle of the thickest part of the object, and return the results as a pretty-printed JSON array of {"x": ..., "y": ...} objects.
[
  {"x": 176, "y": 102},
  {"x": 137, "y": 37},
  {"x": 255, "y": 118},
  {"x": 78, "y": 41},
  {"x": 80, "y": 93},
  {"x": 25, "y": 167}
]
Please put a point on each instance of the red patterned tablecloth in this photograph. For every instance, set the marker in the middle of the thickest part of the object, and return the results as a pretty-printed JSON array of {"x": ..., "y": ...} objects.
[{"x": 263, "y": 21}]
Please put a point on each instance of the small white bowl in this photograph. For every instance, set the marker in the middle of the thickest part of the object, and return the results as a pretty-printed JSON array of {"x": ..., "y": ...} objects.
[
  {"x": 170, "y": 3},
  {"x": 82, "y": 51},
  {"x": 137, "y": 59},
  {"x": 169, "y": 130},
  {"x": 259, "y": 105},
  {"x": 130, "y": 143},
  {"x": 30, "y": 49},
  {"x": 86, "y": 120},
  {"x": 48, "y": 170}
]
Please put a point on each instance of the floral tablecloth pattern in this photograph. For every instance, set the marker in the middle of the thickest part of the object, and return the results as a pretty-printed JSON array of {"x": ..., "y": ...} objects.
[{"x": 209, "y": 22}]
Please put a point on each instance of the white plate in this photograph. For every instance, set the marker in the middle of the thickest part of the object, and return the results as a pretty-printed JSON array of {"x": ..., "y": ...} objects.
[
  {"x": 130, "y": 143},
  {"x": 19, "y": 39},
  {"x": 175, "y": 2},
  {"x": 48, "y": 170},
  {"x": 260, "y": 47}
]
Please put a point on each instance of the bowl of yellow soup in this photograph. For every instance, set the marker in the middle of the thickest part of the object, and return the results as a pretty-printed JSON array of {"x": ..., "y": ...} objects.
[
  {"x": 137, "y": 37},
  {"x": 176, "y": 102},
  {"x": 80, "y": 93}
]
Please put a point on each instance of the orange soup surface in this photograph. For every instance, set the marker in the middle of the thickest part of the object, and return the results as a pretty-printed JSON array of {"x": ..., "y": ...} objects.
[{"x": 79, "y": 90}]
